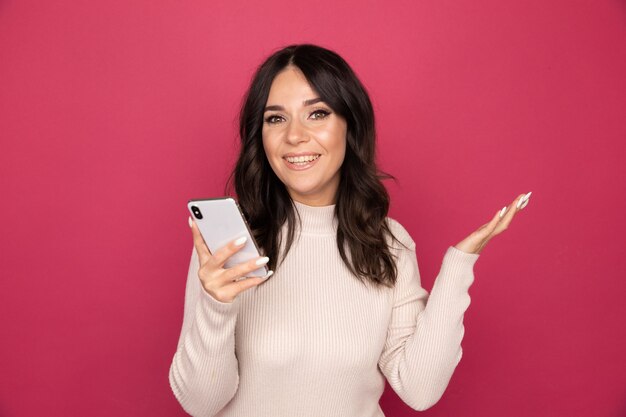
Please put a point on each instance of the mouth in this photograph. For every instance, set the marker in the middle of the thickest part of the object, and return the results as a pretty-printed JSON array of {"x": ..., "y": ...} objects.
[
  {"x": 302, "y": 159},
  {"x": 301, "y": 162}
]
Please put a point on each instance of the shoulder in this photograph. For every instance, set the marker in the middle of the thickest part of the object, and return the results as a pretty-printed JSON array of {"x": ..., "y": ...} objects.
[{"x": 400, "y": 234}]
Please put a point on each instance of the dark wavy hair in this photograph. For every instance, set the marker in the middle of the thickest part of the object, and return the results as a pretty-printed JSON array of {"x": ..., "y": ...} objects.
[{"x": 362, "y": 202}]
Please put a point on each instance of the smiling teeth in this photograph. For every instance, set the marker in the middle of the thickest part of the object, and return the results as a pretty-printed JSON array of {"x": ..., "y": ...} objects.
[{"x": 301, "y": 159}]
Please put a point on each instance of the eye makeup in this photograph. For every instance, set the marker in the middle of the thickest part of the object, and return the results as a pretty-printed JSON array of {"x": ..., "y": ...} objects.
[{"x": 323, "y": 113}]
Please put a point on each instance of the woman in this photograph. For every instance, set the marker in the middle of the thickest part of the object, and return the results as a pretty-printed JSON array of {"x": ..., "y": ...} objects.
[{"x": 344, "y": 308}]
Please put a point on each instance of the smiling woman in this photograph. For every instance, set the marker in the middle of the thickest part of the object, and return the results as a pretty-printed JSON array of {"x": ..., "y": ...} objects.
[{"x": 344, "y": 309}]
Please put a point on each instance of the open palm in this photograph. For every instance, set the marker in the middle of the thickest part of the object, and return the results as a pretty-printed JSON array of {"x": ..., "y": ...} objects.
[{"x": 476, "y": 241}]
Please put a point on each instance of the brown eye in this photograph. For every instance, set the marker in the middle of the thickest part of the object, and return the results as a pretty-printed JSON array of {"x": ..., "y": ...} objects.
[
  {"x": 319, "y": 114},
  {"x": 273, "y": 119}
]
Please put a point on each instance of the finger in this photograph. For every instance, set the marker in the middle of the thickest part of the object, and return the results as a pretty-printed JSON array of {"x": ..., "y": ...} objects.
[
  {"x": 245, "y": 268},
  {"x": 237, "y": 287},
  {"x": 500, "y": 221},
  {"x": 221, "y": 255},
  {"x": 502, "y": 212},
  {"x": 507, "y": 218},
  {"x": 204, "y": 255},
  {"x": 227, "y": 276},
  {"x": 523, "y": 201},
  {"x": 487, "y": 231},
  {"x": 266, "y": 276}
]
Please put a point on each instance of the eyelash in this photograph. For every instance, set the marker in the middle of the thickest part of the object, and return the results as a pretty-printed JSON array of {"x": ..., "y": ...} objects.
[{"x": 324, "y": 114}]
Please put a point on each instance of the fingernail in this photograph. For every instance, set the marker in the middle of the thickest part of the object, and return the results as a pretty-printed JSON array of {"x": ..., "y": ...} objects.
[
  {"x": 524, "y": 204},
  {"x": 523, "y": 201},
  {"x": 262, "y": 261},
  {"x": 269, "y": 274},
  {"x": 190, "y": 222},
  {"x": 240, "y": 241},
  {"x": 502, "y": 211}
]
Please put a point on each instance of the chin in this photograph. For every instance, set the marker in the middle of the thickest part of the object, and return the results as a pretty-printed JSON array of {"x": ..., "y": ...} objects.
[{"x": 305, "y": 192}]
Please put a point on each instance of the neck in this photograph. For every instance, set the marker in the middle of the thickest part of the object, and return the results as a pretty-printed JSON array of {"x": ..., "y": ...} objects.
[
  {"x": 315, "y": 202},
  {"x": 316, "y": 220}
]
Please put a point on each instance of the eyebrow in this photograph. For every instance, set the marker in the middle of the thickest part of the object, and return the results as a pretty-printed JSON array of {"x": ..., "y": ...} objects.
[{"x": 305, "y": 103}]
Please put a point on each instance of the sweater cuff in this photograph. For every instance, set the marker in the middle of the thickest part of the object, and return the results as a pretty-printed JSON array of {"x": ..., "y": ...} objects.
[
  {"x": 452, "y": 285},
  {"x": 460, "y": 257},
  {"x": 457, "y": 268},
  {"x": 213, "y": 332},
  {"x": 217, "y": 314}
]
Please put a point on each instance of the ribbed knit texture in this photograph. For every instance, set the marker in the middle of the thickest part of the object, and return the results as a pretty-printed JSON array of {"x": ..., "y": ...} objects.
[{"x": 313, "y": 341}]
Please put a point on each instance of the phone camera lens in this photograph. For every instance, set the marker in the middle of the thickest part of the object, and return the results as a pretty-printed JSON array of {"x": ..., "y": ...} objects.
[{"x": 196, "y": 212}]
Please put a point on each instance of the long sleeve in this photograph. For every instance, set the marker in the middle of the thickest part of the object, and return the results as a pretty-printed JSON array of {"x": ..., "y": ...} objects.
[
  {"x": 423, "y": 345},
  {"x": 204, "y": 371}
]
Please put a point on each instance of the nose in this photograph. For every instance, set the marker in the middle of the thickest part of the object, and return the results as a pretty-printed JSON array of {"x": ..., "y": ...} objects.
[{"x": 296, "y": 133}]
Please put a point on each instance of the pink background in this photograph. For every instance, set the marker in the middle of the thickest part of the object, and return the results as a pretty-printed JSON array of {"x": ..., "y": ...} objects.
[{"x": 113, "y": 114}]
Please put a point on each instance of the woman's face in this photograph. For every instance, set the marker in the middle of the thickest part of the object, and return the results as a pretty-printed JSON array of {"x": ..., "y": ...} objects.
[{"x": 304, "y": 139}]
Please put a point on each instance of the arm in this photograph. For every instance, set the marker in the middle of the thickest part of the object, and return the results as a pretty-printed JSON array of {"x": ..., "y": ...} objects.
[
  {"x": 423, "y": 343},
  {"x": 204, "y": 371}
]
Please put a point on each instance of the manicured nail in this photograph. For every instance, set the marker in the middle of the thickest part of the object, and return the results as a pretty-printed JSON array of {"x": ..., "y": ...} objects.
[
  {"x": 502, "y": 211},
  {"x": 262, "y": 261},
  {"x": 524, "y": 204},
  {"x": 190, "y": 222},
  {"x": 240, "y": 241},
  {"x": 269, "y": 274},
  {"x": 523, "y": 201}
]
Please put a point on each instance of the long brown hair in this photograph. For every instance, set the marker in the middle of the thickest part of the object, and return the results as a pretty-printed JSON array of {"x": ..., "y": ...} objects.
[{"x": 362, "y": 201}]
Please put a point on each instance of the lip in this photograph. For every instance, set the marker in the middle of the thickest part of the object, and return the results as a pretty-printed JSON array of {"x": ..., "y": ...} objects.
[
  {"x": 295, "y": 167},
  {"x": 291, "y": 154}
]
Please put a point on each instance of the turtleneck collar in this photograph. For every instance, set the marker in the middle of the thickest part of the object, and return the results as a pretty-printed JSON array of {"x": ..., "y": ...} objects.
[{"x": 316, "y": 220}]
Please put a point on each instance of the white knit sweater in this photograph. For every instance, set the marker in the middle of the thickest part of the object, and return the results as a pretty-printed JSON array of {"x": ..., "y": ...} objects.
[{"x": 313, "y": 341}]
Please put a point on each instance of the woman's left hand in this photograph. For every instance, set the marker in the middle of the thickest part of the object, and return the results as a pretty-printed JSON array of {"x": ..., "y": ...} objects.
[{"x": 475, "y": 242}]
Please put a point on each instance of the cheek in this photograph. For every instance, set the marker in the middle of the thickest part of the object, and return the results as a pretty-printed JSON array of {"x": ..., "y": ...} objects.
[
  {"x": 333, "y": 138},
  {"x": 339, "y": 140}
]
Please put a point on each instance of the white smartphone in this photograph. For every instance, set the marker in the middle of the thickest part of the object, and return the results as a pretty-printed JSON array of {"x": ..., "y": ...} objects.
[{"x": 221, "y": 221}]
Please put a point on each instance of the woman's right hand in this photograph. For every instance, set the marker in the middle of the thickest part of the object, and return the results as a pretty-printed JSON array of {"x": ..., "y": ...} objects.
[{"x": 224, "y": 284}]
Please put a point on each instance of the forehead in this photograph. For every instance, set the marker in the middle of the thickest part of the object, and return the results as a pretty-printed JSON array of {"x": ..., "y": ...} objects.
[{"x": 290, "y": 85}]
